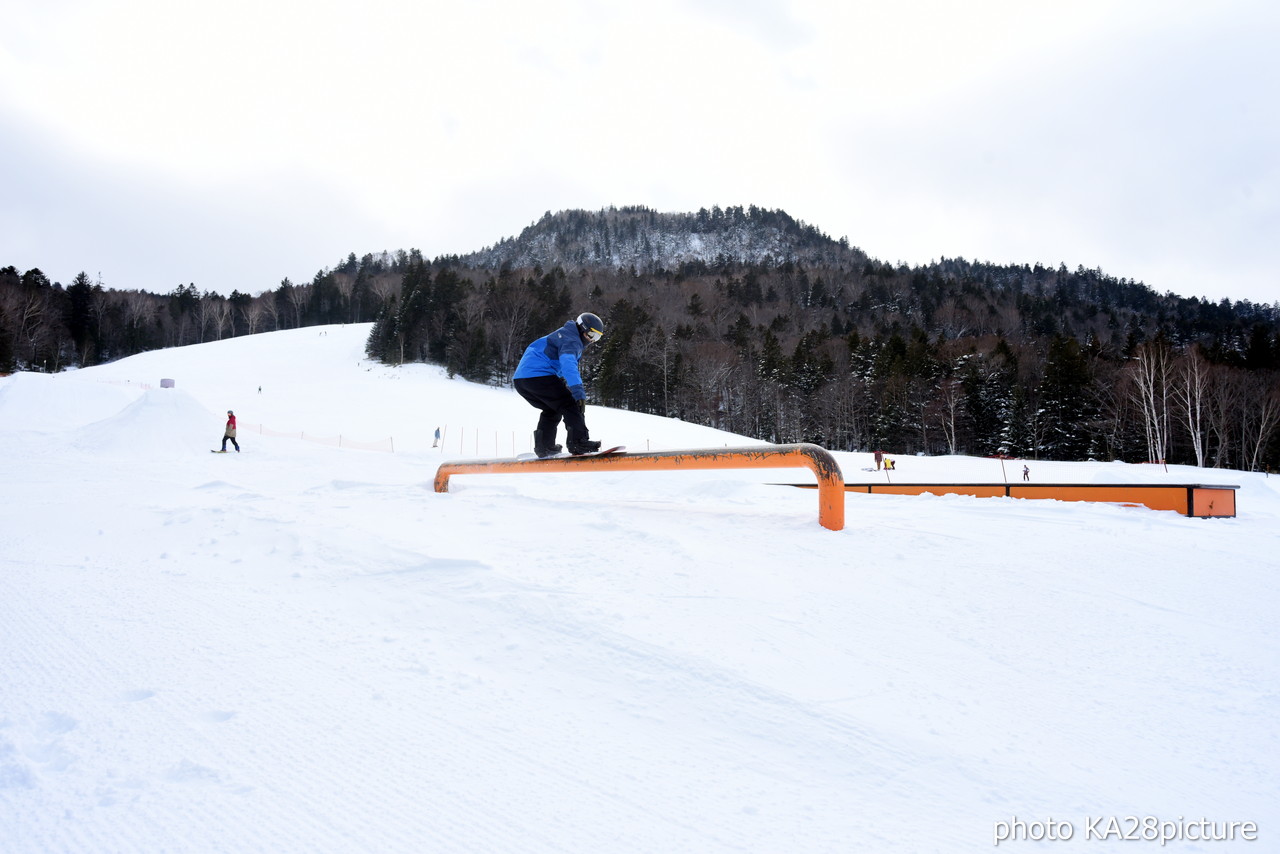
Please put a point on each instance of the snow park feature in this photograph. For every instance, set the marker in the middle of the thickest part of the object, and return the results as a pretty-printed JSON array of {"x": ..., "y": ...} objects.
[
  {"x": 307, "y": 649},
  {"x": 830, "y": 483},
  {"x": 1189, "y": 499}
]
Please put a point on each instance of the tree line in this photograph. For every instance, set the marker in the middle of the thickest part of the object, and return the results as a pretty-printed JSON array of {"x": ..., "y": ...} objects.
[
  {"x": 1045, "y": 363},
  {"x": 46, "y": 326},
  {"x": 823, "y": 345}
]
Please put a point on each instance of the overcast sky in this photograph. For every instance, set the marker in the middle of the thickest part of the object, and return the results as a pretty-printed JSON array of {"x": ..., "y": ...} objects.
[{"x": 155, "y": 143}]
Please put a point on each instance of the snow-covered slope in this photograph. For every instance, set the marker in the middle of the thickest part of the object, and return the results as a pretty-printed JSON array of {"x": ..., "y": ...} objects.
[{"x": 303, "y": 648}]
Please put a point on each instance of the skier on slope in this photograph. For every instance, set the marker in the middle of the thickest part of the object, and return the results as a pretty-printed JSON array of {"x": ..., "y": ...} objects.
[{"x": 548, "y": 378}]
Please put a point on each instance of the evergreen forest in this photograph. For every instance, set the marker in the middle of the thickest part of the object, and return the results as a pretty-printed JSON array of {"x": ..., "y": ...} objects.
[{"x": 756, "y": 323}]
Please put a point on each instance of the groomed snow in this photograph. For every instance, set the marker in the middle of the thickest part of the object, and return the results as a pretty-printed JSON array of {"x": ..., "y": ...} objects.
[{"x": 304, "y": 648}]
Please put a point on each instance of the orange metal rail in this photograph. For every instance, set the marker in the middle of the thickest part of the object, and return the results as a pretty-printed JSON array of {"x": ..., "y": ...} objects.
[
  {"x": 818, "y": 460},
  {"x": 1197, "y": 500}
]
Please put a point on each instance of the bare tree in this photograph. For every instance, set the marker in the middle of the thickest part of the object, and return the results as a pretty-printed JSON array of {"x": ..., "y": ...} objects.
[
  {"x": 1226, "y": 391},
  {"x": 1037, "y": 426},
  {"x": 299, "y": 299},
  {"x": 384, "y": 287},
  {"x": 703, "y": 396},
  {"x": 139, "y": 309},
  {"x": 252, "y": 312},
  {"x": 33, "y": 328},
  {"x": 651, "y": 345},
  {"x": 1259, "y": 415},
  {"x": 1152, "y": 368},
  {"x": 1111, "y": 390},
  {"x": 953, "y": 319},
  {"x": 344, "y": 283},
  {"x": 220, "y": 314},
  {"x": 270, "y": 309},
  {"x": 509, "y": 314},
  {"x": 1189, "y": 393},
  {"x": 947, "y": 405},
  {"x": 30, "y": 317},
  {"x": 1007, "y": 321},
  {"x": 205, "y": 313}
]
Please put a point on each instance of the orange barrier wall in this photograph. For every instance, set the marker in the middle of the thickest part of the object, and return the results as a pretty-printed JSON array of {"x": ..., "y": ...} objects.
[
  {"x": 818, "y": 460},
  {"x": 1187, "y": 499},
  {"x": 976, "y": 490},
  {"x": 1213, "y": 501},
  {"x": 1156, "y": 497}
]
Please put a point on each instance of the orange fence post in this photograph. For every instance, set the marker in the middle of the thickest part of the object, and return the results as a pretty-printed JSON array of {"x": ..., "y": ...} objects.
[{"x": 803, "y": 455}]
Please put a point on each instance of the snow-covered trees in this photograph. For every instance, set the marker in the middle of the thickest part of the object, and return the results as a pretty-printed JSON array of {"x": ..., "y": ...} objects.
[{"x": 751, "y": 321}]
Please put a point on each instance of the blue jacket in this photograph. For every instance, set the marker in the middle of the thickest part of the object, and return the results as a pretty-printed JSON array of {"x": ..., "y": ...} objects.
[{"x": 555, "y": 355}]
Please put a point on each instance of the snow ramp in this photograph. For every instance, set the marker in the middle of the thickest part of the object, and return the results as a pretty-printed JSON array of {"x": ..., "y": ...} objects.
[
  {"x": 167, "y": 422},
  {"x": 49, "y": 402}
]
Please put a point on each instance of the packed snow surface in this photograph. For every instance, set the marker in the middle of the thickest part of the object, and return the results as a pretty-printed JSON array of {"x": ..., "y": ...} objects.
[{"x": 304, "y": 648}]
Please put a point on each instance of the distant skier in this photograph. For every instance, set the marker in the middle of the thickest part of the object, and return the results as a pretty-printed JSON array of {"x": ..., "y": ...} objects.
[
  {"x": 436, "y": 443},
  {"x": 548, "y": 378},
  {"x": 230, "y": 432},
  {"x": 1026, "y": 473},
  {"x": 879, "y": 459}
]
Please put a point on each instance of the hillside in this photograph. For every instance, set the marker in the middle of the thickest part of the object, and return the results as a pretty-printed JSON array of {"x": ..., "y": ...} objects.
[
  {"x": 304, "y": 648},
  {"x": 753, "y": 322},
  {"x": 646, "y": 241}
]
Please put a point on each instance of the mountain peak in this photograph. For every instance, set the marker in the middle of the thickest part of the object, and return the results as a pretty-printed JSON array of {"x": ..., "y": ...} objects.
[{"x": 647, "y": 240}]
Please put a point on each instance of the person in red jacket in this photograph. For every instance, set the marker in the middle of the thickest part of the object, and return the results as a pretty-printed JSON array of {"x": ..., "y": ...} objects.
[{"x": 230, "y": 432}]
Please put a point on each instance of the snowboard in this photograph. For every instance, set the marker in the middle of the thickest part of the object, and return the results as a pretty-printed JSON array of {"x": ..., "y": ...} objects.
[
  {"x": 220, "y": 452},
  {"x": 616, "y": 449}
]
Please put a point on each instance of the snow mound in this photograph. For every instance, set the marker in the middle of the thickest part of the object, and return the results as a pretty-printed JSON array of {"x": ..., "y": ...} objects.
[
  {"x": 160, "y": 422},
  {"x": 43, "y": 402},
  {"x": 1127, "y": 474}
]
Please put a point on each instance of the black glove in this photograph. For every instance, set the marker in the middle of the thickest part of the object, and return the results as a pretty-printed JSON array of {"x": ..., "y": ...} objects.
[{"x": 582, "y": 406}]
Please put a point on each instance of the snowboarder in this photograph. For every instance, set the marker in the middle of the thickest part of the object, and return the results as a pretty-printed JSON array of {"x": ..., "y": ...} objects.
[
  {"x": 548, "y": 378},
  {"x": 879, "y": 459},
  {"x": 436, "y": 443},
  {"x": 1026, "y": 473},
  {"x": 230, "y": 432},
  {"x": 888, "y": 464}
]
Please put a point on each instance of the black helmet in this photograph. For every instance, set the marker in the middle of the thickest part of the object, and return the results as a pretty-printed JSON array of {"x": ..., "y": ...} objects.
[{"x": 590, "y": 326}]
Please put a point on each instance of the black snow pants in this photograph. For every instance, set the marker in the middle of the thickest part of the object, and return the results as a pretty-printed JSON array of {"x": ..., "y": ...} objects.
[{"x": 551, "y": 396}]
